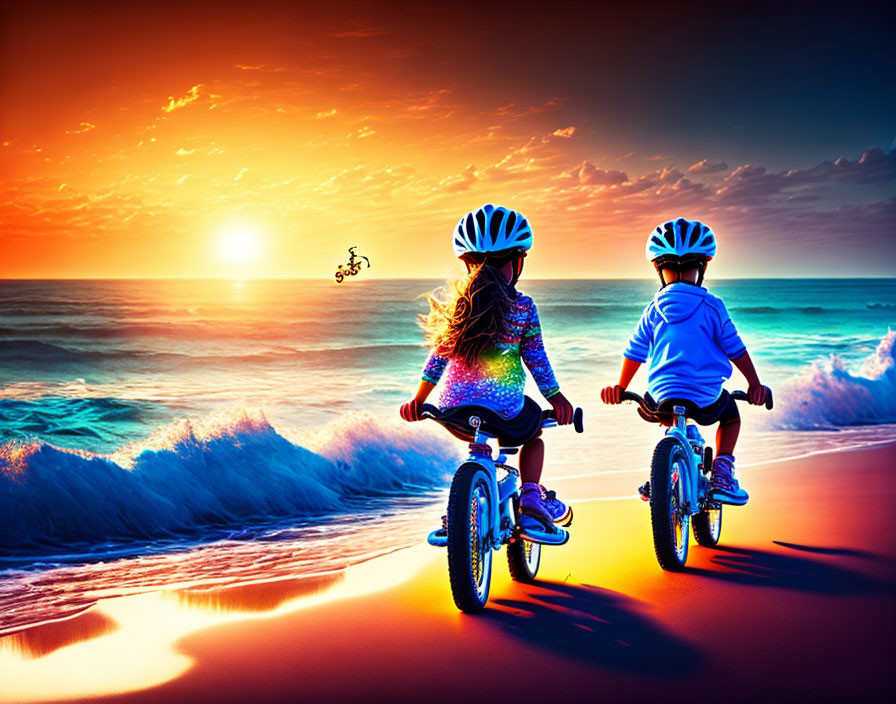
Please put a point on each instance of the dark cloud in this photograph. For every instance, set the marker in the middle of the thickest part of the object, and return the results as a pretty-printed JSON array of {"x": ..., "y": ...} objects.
[
  {"x": 785, "y": 211},
  {"x": 707, "y": 167},
  {"x": 874, "y": 165},
  {"x": 752, "y": 184},
  {"x": 589, "y": 175}
]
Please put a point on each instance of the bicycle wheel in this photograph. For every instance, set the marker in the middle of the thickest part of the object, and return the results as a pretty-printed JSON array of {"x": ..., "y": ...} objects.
[
  {"x": 469, "y": 552},
  {"x": 671, "y": 525},
  {"x": 708, "y": 526},
  {"x": 708, "y": 523},
  {"x": 523, "y": 560}
]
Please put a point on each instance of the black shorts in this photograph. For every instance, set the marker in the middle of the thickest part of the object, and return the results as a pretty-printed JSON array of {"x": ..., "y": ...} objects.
[
  {"x": 513, "y": 432},
  {"x": 723, "y": 410}
]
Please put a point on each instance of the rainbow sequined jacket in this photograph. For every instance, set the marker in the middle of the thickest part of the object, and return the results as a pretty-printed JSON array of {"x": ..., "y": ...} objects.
[{"x": 496, "y": 380}]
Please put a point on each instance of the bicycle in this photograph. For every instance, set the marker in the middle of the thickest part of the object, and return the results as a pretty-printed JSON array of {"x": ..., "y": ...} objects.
[
  {"x": 679, "y": 488},
  {"x": 484, "y": 514},
  {"x": 353, "y": 267}
]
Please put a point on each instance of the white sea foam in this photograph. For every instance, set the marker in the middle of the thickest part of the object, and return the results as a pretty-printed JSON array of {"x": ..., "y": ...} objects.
[
  {"x": 829, "y": 395},
  {"x": 219, "y": 470}
]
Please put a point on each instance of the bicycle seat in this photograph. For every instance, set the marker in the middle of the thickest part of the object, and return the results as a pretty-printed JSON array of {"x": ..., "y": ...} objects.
[
  {"x": 510, "y": 433},
  {"x": 663, "y": 412}
]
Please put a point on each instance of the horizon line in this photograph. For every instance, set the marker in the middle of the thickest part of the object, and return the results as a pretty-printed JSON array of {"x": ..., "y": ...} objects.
[{"x": 233, "y": 279}]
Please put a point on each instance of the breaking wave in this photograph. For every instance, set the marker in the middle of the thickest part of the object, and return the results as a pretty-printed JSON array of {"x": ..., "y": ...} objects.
[
  {"x": 830, "y": 396},
  {"x": 223, "y": 470}
]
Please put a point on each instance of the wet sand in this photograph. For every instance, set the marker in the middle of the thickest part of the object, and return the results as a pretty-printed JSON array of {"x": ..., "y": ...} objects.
[{"x": 797, "y": 604}]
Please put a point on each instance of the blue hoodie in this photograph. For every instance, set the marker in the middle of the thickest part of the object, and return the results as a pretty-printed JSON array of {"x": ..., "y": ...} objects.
[{"x": 689, "y": 337}]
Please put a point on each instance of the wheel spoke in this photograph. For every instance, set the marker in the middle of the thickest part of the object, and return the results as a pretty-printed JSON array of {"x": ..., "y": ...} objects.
[
  {"x": 480, "y": 552},
  {"x": 677, "y": 515},
  {"x": 669, "y": 517}
]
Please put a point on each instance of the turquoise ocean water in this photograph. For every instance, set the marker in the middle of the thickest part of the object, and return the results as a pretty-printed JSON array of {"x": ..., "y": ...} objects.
[{"x": 251, "y": 427}]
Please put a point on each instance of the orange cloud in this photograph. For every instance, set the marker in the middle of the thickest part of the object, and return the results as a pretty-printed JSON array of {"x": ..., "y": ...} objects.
[
  {"x": 565, "y": 133},
  {"x": 588, "y": 174},
  {"x": 176, "y": 104},
  {"x": 340, "y": 142},
  {"x": 82, "y": 128}
]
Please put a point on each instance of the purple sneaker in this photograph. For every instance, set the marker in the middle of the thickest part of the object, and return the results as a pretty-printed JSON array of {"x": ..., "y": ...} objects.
[
  {"x": 723, "y": 486},
  {"x": 544, "y": 505}
]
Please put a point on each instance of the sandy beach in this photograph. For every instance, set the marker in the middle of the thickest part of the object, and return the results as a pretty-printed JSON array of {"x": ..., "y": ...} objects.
[{"x": 797, "y": 604}]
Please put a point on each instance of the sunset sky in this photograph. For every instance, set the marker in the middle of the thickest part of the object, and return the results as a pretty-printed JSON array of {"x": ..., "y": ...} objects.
[{"x": 262, "y": 139}]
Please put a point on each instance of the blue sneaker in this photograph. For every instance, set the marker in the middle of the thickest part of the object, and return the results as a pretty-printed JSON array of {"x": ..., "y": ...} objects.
[
  {"x": 724, "y": 488},
  {"x": 534, "y": 530},
  {"x": 439, "y": 537},
  {"x": 544, "y": 505}
]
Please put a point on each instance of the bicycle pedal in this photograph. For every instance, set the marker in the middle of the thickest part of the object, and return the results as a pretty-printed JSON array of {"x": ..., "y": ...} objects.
[
  {"x": 438, "y": 538},
  {"x": 729, "y": 500},
  {"x": 535, "y": 531},
  {"x": 644, "y": 491}
]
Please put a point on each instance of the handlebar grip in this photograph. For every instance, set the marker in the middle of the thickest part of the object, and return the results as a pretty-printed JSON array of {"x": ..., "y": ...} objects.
[
  {"x": 576, "y": 418},
  {"x": 742, "y": 396}
]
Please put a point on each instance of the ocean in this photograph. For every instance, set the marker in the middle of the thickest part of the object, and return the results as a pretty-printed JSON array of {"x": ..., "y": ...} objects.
[{"x": 195, "y": 433}]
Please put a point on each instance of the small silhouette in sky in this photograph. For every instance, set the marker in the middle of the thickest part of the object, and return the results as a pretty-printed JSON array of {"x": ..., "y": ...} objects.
[{"x": 352, "y": 267}]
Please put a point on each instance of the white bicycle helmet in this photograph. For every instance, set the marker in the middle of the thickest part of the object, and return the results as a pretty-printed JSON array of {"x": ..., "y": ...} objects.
[
  {"x": 491, "y": 229},
  {"x": 681, "y": 239}
]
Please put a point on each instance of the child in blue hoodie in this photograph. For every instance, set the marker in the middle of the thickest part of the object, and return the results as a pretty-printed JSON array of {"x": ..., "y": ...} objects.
[{"x": 689, "y": 338}]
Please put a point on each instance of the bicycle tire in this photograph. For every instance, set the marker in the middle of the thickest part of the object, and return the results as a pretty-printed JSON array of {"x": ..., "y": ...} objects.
[
  {"x": 523, "y": 560},
  {"x": 707, "y": 524},
  {"x": 469, "y": 561},
  {"x": 670, "y": 525},
  {"x": 708, "y": 527}
]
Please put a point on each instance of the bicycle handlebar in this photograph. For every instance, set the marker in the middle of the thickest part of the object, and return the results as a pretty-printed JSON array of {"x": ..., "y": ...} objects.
[
  {"x": 427, "y": 410},
  {"x": 632, "y": 396},
  {"x": 736, "y": 395},
  {"x": 742, "y": 396}
]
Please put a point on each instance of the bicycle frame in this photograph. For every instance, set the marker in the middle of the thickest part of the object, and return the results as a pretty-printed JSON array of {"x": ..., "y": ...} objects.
[
  {"x": 693, "y": 492},
  {"x": 472, "y": 530},
  {"x": 678, "y": 491},
  {"x": 502, "y": 520},
  {"x": 690, "y": 495}
]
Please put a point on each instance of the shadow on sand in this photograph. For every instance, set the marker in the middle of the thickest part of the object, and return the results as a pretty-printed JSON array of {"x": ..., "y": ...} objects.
[
  {"x": 600, "y": 627},
  {"x": 837, "y": 552},
  {"x": 753, "y": 567}
]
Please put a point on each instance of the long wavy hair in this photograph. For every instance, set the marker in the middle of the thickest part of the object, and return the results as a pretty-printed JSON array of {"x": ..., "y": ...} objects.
[{"x": 472, "y": 317}]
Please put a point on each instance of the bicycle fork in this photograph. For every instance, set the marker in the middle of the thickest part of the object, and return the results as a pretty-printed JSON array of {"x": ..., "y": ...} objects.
[
  {"x": 688, "y": 489},
  {"x": 502, "y": 492}
]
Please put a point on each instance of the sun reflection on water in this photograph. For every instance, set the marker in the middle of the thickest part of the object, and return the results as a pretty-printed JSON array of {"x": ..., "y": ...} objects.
[{"x": 130, "y": 643}]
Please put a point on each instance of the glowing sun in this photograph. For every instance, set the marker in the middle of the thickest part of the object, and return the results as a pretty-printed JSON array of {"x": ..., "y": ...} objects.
[{"x": 239, "y": 244}]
